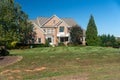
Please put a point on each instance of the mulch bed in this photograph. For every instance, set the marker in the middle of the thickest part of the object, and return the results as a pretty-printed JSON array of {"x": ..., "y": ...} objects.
[{"x": 8, "y": 60}]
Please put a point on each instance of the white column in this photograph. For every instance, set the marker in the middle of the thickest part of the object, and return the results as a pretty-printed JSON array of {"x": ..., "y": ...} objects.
[
  {"x": 59, "y": 39},
  {"x": 84, "y": 42}
]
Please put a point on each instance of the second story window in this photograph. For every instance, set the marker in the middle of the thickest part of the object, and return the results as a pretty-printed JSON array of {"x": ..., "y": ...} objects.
[
  {"x": 61, "y": 29},
  {"x": 50, "y": 30}
]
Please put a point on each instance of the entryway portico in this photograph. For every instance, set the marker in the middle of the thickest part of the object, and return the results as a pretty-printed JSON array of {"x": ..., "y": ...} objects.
[{"x": 62, "y": 37}]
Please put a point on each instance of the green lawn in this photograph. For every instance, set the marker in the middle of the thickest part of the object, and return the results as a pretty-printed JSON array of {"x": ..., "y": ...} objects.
[{"x": 98, "y": 63}]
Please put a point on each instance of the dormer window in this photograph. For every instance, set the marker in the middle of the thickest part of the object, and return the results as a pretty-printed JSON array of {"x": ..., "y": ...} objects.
[{"x": 61, "y": 29}]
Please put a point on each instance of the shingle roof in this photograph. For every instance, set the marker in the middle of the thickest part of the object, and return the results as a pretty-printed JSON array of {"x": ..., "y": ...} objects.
[
  {"x": 35, "y": 21},
  {"x": 42, "y": 20},
  {"x": 69, "y": 21}
]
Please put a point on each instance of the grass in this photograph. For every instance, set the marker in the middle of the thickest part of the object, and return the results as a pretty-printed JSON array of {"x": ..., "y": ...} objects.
[{"x": 98, "y": 62}]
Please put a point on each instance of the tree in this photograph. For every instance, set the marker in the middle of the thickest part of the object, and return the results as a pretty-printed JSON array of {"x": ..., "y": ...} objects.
[
  {"x": 92, "y": 33},
  {"x": 24, "y": 28},
  {"x": 76, "y": 34},
  {"x": 107, "y": 40},
  {"x": 14, "y": 25}
]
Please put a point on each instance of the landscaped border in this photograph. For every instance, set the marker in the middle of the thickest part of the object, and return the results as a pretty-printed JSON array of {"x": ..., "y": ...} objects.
[{"x": 9, "y": 60}]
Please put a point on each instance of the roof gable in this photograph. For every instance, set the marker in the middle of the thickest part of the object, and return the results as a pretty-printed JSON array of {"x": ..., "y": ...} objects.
[{"x": 51, "y": 22}]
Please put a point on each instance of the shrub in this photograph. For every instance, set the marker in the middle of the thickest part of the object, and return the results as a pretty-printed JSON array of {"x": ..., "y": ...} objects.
[
  {"x": 47, "y": 43},
  {"x": 8, "y": 45},
  {"x": 61, "y": 44},
  {"x": 13, "y": 44},
  {"x": 116, "y": 45},
  {"x": 37, "y": 45},
  {"x": 21, "y": 46},
  {"x": 3, "y": 52},
  {"x": 71, "y": 44}
]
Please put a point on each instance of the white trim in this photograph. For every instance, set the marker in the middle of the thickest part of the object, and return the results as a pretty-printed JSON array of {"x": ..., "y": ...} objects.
[
  {"x": 64, "y": 22},
  {"x": 52, "y": 39},
  {"x": 38, "y": 21},
  {"x": 39, "y": 28},
  {"x": 62, "y": 34},
  {"x": 56, "y": 25}
]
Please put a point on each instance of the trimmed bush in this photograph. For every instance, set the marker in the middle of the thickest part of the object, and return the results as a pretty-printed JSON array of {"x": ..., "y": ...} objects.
[
  {"x": 22, "y": 46},
  {"x": 38, "y": 45}
]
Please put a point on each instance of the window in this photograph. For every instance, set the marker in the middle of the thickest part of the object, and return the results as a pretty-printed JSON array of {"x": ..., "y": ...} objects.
[
  {"x": 33, "y": 40},
  {"x": 48, "y": 30},
  {"x": 61, "y": 29},
  {"x": 63, "y": 39},
  {"x": 66, "y": 38},
  {"x": 52, "y": 30},
  {"x": 39, "y": 40}
]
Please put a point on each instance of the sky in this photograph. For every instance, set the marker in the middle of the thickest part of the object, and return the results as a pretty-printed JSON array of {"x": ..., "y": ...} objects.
[{"x": 106, "y": 12}]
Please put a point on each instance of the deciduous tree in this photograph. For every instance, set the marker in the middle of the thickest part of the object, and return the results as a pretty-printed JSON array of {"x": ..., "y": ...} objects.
[
  {"x": 76, "y": 34},
  {"x": 14, "y": 24}
]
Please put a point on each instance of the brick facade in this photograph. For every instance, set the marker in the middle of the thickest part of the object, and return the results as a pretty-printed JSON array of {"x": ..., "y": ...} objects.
[{"x": 54, "y": 29}]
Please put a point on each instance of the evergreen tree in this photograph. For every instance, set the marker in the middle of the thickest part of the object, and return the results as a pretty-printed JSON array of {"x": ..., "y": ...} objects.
[
  {"x": 91, "y": 33},
  {"x": 76, "y": 34},
  {"x": 107, "y": 40}
]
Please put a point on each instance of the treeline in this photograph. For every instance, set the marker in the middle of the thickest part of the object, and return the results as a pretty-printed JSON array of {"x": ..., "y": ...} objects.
[
  {"x": 93, "y": 39},
  {"x": 107, "y": 40}
]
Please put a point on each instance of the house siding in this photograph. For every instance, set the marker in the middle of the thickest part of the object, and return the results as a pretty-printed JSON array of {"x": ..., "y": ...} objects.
[
  {"x": 39, "y": 34},
  {"x": 65, "y": 28}
]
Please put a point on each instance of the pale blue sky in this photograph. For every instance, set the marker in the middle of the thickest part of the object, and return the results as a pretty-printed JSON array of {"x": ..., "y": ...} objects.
[{"x": 106, "y": 12}]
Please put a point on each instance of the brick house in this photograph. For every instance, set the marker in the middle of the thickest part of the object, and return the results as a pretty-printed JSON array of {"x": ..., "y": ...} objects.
[{"x": 54, "y": 29}]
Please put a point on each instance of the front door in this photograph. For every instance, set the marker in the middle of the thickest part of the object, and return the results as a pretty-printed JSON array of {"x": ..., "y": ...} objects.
[{"x": 50, "y": 40}]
